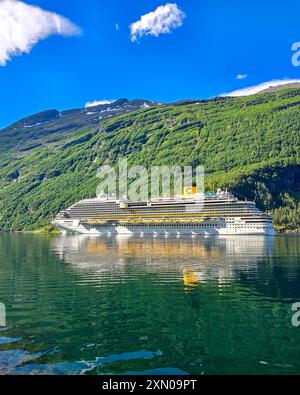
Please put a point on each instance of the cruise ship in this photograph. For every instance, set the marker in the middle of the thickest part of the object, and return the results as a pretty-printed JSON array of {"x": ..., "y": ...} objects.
[{"x": 219, "y": 213}]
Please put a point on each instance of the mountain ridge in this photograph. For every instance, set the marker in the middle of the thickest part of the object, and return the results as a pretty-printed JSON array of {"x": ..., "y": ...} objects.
[
  {"x": 56, "y": 124},
  {"x": 135, "y": 104},
  {"x": 276, "y": 88}
]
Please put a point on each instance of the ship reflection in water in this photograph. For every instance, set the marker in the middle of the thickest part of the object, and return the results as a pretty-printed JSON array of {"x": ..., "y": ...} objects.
[{"x": 193, "y": 260}]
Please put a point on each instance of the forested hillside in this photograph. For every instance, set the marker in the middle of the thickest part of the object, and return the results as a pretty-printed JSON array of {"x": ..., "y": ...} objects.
[{"x": 250, "y": 144}]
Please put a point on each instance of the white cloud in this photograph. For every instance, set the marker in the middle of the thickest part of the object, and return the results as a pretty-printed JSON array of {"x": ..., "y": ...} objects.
[
  {"x": 163, "y": 20},
  {"x": 117, "y": 26},
  {"x": 251, "y": 90},
  {"x": 98, "y": 103},
  {"x": 23, "y": 25},
  {"x": 241, "y": 76}
]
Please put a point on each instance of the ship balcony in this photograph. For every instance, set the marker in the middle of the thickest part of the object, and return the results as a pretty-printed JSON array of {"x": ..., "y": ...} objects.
[{"x": 150, "y": 221}]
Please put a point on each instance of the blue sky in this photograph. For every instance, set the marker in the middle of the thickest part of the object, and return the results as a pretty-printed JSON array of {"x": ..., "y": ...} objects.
[{"x": 217, "y": 41}]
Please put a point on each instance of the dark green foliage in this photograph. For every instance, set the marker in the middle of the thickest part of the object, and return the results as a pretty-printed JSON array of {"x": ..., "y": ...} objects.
[
  {"x": 251, "y": 145},
  {"x": 287, "y": 218}
]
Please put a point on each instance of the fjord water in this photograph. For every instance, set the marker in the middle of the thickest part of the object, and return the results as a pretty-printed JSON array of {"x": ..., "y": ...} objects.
[{"x": 78, "y": 304}]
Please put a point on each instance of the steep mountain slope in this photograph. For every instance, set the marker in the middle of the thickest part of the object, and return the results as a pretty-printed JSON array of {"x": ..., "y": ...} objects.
[{"x": 251, "y": 144}]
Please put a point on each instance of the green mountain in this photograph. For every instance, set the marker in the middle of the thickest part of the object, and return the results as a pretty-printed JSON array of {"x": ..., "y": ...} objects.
[{"x": 250, "y": 144}]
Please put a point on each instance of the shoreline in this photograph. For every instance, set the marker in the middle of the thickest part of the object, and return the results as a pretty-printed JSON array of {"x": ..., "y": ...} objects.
[{"x": 58, "y": 232}]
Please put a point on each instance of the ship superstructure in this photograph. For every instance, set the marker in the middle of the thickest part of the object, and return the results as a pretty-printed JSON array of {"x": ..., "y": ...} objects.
[{"x": 199, "y": 214}]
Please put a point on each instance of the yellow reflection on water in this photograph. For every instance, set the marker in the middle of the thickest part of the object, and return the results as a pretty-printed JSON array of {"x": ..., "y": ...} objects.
[{"x": 190, "y": 278}]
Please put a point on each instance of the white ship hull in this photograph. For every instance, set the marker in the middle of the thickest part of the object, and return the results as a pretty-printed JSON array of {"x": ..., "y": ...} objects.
[{"x": 239, "y": 229}]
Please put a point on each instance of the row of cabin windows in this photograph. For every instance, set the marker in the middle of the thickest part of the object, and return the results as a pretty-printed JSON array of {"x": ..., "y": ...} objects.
[{"x": 102, "y": 213}]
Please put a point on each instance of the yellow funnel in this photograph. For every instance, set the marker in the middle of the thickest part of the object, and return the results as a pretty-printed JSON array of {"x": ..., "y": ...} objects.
[{"x": 190, "y": 191}]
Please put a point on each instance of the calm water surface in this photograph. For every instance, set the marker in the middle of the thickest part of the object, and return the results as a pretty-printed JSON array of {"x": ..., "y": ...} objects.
[{"x": 82, "y": 305}]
